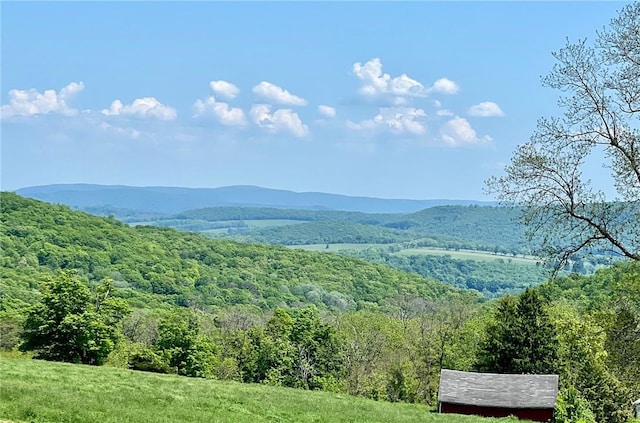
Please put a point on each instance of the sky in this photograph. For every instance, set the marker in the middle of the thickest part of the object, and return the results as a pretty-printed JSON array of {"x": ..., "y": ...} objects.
[{"x": 418, "y": 100}]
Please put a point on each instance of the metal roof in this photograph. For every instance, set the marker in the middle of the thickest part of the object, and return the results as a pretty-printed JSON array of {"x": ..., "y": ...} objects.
[{"x": 498, "y": 390}]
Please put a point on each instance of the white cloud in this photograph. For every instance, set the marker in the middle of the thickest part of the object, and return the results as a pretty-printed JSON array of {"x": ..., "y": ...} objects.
[
  {"x": 127, "y": 132},
  {"x": 486, "y": 109},
  {"x": 225, "y": 89},
  {"x": 32, "y": 102},
  {"x": 226, "y": 115},
  {"x": 444, "y": 86},
  {"x": 458, "y": 131},
  {"x": 327, "y": 111},
  {"x": 441, "y": 111},
  {"x": 146, "y": 107},
  {"x": 444, "y": 112},
  {"x": 398, "y": 120},
  {"x": 376, "y": 83},
  {"x": 282, "y": 120},
  {"x": 273, "y": 93}
]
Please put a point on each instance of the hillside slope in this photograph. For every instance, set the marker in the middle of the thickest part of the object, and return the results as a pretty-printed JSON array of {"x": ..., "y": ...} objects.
[
  {"x": 39, "y": 391},
  {"x": 154, "y": 265}
]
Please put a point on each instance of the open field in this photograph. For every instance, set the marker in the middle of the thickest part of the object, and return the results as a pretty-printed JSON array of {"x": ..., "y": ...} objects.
[
  {"x": 468, "y": 255},
  {"x": 39, "y": 391},
  {"x": 333, "y": 248},
  {"x": 455, "y": 254}
]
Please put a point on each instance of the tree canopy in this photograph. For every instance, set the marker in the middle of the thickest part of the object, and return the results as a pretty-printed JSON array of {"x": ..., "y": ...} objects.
[{"x": 70, "y": 324}]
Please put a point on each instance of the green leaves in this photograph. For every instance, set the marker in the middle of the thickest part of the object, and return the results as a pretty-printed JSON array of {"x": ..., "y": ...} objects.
[
  {"x": 68, "y": 326},
  {"x": 521, "y": 339}
]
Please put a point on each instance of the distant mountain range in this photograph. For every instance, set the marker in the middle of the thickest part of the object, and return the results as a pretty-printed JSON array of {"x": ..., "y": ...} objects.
[{"x": 176, "y": 199}]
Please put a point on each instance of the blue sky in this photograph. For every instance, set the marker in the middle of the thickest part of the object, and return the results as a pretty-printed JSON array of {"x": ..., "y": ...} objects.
[{"x": 387, "y": 99}]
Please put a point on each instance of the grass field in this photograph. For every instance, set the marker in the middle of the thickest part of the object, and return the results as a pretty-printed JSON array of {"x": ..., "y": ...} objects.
[
  {"x": 455, "y": 254},
  {"x": 467, "y": 255},
  {"x": 39, "y": 391},
  {"x": 337, "y": 247}
]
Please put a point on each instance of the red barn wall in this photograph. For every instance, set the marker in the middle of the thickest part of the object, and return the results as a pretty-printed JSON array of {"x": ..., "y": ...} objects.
[{"x": 535, "y": 414}]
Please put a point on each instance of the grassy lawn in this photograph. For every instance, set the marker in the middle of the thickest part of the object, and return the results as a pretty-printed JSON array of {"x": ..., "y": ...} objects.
[{"x": 38, "y": 391}]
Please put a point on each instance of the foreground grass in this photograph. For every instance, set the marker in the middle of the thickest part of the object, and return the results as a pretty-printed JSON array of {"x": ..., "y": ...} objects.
[{"x": 38, "y": 391}]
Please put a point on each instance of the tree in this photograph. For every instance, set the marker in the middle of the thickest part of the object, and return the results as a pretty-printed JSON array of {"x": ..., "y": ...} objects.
[
  {"x": 295, "y": 349},
  {"x": 582, "y": 360},
  {"x": 70, "y": 324},
  {"x": 521, "y": 339},
  {"x": 601, "y": 104},
  {"x": 572, "y": 408},
  {"x": 183, "y": 345}
]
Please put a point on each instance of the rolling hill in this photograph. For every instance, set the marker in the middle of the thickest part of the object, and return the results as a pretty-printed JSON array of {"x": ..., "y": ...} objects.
[{"x": 155, "y": 266}]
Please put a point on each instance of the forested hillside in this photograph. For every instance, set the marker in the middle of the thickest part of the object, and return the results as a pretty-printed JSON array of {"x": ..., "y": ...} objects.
[
  {"x": 477, "y": 247},
  {"x": 153, "y": 265},
  {"x": 427, "y": 242}
]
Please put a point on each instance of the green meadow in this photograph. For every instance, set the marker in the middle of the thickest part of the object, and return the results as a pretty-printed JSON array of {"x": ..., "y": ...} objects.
[
  {"x": 468, "y": 255},
  {"x": 40, "y": 391}
]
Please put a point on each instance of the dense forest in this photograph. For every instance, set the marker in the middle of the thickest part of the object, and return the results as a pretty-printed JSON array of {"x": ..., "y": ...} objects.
[
  {"x": 89, "y": 289},
  {"x": 157, "y": 265}
]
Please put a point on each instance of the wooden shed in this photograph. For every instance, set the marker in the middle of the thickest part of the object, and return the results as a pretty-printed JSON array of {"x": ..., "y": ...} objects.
[{"x": 531, "y": 397}]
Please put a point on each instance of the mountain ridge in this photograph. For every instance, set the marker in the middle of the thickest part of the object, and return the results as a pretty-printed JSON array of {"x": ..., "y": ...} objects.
[{"x": 177, "y": 199}]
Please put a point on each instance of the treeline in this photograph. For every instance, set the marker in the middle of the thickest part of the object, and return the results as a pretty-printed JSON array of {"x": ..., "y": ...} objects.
[
  {"x": 584, "y": 329},
  {"x": 328, "y": 232}
]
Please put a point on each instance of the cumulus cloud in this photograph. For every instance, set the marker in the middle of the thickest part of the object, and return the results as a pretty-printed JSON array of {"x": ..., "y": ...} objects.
[
  {"x": 225, "y": 114},
  {"x": 282, "y": 120},
  {"x": 398, "y": 120},
  {"x": 146, "y": 107},
  {"x": 444, "y": 86},
  {"x": 32, "y": 102},
  {"x": 458, "y": 131},
  {"x": 275, "y": 94},
  {"x": 398, "y": 89},
  {"x": 327, "y": 111},
  {"x": 377, "y": 83},
  {"x": 225, "y": 89},
  {"x": 486, "y": 109}
]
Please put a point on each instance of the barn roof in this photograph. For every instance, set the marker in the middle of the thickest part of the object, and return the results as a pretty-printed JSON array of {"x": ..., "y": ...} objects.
[{"x": 498, "y": 390}]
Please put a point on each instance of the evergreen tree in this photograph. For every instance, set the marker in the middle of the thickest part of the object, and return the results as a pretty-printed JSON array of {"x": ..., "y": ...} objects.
[{"x": 521, "y": 339}]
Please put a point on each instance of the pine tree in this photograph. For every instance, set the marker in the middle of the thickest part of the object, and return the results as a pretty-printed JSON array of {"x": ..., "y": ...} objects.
[{"x": 521, "y": 339}]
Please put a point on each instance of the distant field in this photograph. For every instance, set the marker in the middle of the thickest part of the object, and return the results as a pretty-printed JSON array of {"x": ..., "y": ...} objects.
[
  {"x": 337, "y": 247},
  {"x": 252, "y": 224},
  {"x": 455, "y": 254},
  {"x": 266, "y": 223},
  {"x": 39, "y": 391},
  {"x": 467, "y": 255}
]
